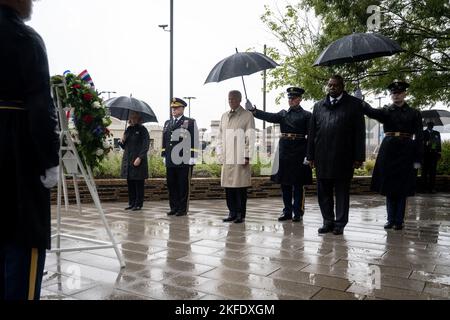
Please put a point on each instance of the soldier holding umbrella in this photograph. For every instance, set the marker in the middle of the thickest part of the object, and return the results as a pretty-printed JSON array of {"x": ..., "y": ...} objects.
[
  {"x": 400, "y": 153},
  {"x": 290, "y": 172}
]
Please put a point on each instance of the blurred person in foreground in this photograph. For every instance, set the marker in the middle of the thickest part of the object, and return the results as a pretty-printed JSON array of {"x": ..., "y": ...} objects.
[{"x": 28, "y": 125}]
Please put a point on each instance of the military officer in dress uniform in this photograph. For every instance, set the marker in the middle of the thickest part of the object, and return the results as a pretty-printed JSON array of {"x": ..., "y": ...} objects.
[
  {"x": 29, "y": 146},
  {"x": 431, "y": 156},
  {"x": 400, "y": 155},
  {"x": 180, "y": 149},
  {"x": 290, "y": 170}
]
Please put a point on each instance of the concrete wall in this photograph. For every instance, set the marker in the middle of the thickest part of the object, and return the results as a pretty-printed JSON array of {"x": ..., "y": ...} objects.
[{"x": 209, "y": 188}]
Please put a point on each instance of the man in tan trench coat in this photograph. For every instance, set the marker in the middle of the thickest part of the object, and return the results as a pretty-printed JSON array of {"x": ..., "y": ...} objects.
[{"x": 234, "y": 149}]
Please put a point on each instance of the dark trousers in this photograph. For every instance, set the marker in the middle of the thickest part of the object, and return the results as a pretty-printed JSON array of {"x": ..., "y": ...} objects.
[
  {"x": 298, "y": 207},
  {"x": 430, "y": 161},
  {"x": 341, "y": 188},
  {"x": 178, "y": 184},
  {"x": 21, "y": 271},
  {"x": 236, "y": 202},
  {"x": 396, "y": 209},
  {"x": 135, "y": 193}
]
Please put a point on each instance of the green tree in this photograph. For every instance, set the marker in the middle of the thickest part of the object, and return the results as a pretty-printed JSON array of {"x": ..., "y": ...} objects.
[{"x": 421, "y": 27}]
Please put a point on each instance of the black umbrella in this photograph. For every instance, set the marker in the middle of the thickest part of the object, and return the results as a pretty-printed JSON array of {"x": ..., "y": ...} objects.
[
  {"x": 240, "y": 64},
  {"x": 357, "y": 47},
  {"x": 438, "y": 117},
  {"x": 120, "y": 107}
]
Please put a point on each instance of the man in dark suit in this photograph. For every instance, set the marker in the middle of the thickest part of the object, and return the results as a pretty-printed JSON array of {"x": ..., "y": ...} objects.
[
  {"x": 180, "y": 149},
  {"x": 29, "y": 158},
  {"x": 432, "y": 154},
  {"x": 336, "y": 146}
]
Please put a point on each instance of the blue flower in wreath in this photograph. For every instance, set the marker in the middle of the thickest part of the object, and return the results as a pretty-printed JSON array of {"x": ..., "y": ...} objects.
[{"x": 98, "y": 131}]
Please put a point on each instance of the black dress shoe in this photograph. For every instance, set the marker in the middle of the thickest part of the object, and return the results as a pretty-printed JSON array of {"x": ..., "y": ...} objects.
[
  {"x": 398, "y": 227},
  {"x": 229, "y": 219},
  {"x": 284, "y": 217},
  {"x": 297, "y": 218},
  {"x": 136, "y": 209},
  {"x": 129, "y": 207},
  {"x": 325, "y": 229},
  {"x": 239, "y": 220},
  {"x": 338, "y": 231},
  {"x": 179, "y": 214},
  {"x": 171, "y": 213},
  {"x": 389, "y": 225}
]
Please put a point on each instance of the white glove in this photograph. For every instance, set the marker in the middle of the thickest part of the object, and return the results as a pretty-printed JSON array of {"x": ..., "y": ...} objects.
[
  {"x": 249, "y": 106},
  {"x": 164, "y": 160},
  {"x": 51, "y": 177},
  {"x": 305, "y": 162},
  {"x": 417, "y": 165},
  {"x": 192, "y": 161}
]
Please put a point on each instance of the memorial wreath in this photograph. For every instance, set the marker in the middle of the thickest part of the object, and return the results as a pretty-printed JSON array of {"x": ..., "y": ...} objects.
[{"x": 90, "y": 131}]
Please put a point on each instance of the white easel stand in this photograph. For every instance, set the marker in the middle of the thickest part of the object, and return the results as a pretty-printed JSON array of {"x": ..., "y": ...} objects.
[{"x": 67, "y": 145}]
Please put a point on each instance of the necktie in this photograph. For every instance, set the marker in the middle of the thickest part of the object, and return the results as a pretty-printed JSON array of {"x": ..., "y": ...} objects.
[{"x": 333, "y": 101}]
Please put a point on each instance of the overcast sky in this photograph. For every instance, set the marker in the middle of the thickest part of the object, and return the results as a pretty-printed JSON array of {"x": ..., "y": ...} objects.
[{"x": 120, "y": 44}]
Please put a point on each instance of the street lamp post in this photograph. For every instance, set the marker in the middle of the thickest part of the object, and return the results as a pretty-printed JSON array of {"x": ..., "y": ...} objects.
[
  {"x": 189, "y": 103},
  {"x": 164, "y": 26},
  {"x": 109, "y": 93}
]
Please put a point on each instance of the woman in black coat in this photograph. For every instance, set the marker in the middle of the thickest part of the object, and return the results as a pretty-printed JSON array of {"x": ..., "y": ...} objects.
[
  {"x": 400, "y": 155},
  {"x": 135, "y": 143}
]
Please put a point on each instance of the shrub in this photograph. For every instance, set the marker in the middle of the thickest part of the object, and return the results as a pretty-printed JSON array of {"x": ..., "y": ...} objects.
[
  {"x": 156, "y": 166},
  {"x": 368, "y": 166},
  {"x": 443, "y": 166},
  {"x": 207, "y": 170},
  {"x": 109, "y": 167}
]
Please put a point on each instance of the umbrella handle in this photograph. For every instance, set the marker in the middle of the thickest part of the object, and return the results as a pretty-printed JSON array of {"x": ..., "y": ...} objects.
[
  {"x": 245, "y": 90},
  {"x": 243, "y": 82},
  {"x": 126, "y": 121}
]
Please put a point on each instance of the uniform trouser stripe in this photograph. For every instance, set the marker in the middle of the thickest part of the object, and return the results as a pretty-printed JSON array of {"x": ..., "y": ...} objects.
[
  {"x": 33, "y": 273},
  {"x": 189, "y": 188}
]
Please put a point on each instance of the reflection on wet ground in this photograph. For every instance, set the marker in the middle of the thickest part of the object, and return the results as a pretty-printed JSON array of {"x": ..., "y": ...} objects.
[{"x": 200, "y": 257}]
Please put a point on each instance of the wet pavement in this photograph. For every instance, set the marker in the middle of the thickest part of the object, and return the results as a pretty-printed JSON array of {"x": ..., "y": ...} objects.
[{"x": 200, "y": 257}]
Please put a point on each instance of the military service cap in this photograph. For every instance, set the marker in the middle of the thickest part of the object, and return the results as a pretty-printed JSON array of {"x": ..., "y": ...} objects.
[
  {"x": 398, "y": 86},
  {"x": 177, "y": 102},
  {"x": 295, "y": 92}
]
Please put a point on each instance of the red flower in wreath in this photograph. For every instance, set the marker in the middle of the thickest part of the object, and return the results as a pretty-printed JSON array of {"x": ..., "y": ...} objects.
[
  {"x": 88, "y": 96},
  {"x": 76, "y": 86},
  {"x": 88, "y": 118},
  {"x": 107, "y": 132}
]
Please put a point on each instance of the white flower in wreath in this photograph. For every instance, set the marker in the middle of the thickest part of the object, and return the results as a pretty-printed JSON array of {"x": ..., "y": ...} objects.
[
  {"x": 99, "y": 152},
  {"x": 75, "y": 137},
  {"x": 106, "y": 145},
  {"x": 96, "y": 105}
]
